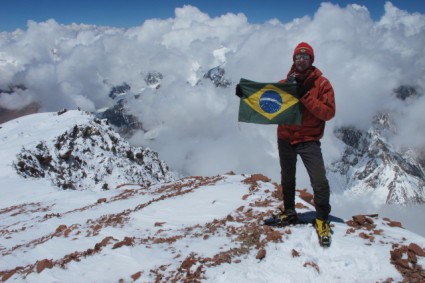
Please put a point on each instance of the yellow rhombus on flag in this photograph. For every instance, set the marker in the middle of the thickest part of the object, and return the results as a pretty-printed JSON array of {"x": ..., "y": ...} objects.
[{"x": 269, "y": 103}]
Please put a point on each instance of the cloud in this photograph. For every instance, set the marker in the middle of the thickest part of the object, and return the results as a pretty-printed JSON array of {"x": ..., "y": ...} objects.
[{"x": 195, "y": 128}]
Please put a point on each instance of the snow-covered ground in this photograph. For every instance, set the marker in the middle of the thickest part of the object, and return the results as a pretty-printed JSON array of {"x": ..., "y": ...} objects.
[{"x": 196, "y": 229}]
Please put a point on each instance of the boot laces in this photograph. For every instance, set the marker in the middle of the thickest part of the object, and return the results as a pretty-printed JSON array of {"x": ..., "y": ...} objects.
[
  {"x": 323, "y": 228},
  {"x": 286, "y": 214}
]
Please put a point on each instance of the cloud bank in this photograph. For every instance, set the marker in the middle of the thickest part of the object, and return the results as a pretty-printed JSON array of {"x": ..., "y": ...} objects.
[{"x": 194, "y": 126}]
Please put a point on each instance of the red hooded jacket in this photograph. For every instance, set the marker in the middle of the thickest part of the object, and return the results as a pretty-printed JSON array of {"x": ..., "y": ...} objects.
[{"x": 319, "y": 106}]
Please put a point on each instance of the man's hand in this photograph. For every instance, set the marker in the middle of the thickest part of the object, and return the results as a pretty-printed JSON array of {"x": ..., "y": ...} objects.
[
  {"x": 302, "y": 94},
  {"x": 239, "y": 92}
]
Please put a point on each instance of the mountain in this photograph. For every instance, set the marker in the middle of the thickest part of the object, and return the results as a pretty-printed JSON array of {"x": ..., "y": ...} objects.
[
  {"x": 10, "y": 114},
  {"x": 217, "y": 76},
  {"x": 153, "y": 79},
  {"x": 118, "y": 114},
  {"x": 371, "y": 165},
  {"x": 193, "y": 229},
  {"x": 86, "y": 155},
  {"x": 7, "y": 114},
  {"x": 126, "y": 123}
]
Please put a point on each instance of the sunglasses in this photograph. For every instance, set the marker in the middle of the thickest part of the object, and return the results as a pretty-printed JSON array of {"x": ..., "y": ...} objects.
[{"x": 302, "y": 56}]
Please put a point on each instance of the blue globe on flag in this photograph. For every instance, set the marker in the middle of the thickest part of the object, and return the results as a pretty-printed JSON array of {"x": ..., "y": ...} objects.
[{"x": 271, "y": 101}]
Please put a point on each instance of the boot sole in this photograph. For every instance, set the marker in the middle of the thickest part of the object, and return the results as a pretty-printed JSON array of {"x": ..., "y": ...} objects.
[{"x": 276, "y": 222}]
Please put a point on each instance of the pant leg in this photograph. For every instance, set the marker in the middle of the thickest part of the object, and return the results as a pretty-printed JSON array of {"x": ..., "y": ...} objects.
[
  {"x": 288, "y": 162},
  {"x": 311, "y": 155}
]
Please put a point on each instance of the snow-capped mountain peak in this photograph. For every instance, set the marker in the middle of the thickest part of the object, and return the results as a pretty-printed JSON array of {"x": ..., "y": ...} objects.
[
  {"x": 371, "y": 165},
  {"x": 88, "y": 155}
]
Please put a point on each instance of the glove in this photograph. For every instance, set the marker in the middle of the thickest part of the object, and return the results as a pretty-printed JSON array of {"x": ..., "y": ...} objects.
[
  {"x": 239, "y": 92},
  {"x": 305, "y": 87},
  {"x": 302, "y": 93}
]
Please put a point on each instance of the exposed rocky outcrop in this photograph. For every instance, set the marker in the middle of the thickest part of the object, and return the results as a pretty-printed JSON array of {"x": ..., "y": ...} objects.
[
  {"x": 91, "y": 156},
  {"x": 369, "y": 162}
]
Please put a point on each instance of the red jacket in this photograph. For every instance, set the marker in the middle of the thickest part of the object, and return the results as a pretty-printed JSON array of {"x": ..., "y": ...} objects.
[{"x": 319, "y": 106}]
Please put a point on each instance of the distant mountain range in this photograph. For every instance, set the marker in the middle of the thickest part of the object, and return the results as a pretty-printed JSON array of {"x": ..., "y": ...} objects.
[{"x": 370, "y": 164}]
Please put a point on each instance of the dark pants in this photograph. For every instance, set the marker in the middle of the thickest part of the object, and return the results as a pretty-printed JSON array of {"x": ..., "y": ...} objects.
[{"x": 311, "y": 155}]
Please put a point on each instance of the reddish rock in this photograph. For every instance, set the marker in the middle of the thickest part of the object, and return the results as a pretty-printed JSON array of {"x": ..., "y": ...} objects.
[
  {"x": 274, "y": 236},
  {"x": 67, "y": 232},
  {"x": 222, "y": 258},
  {"x": 363, "y": 235},
  {"x": 402, "y": 263},
  {"x": 361, "y": 221},
  {"x": 396, "y": 254},
  {"x": 405, "y": 260},
  {"x": 261, "y": 254},
  {"x": 395, "y": 224},
  {"x": 295, "y": 253},
  {"x": 416, "y": 249},
  {"x": 230, "y": 218},
  {"x": 259, "y": 177},
  {"x": 412, "y": 257},
  {"x": 159, "y": 224},
  {"x": 136, "y": 275},
  {"x": 6, "y": 276},
  {"x": 299, "y": 205},
  {"x": 188, "y": 262},
  {"x": 43, "y": 264},
  {"x": 61, "y": 228},
  {"x": 102, "y": 243},
  {"x": 126, "y": 242},
  {"x": 306, "y": 196},
  {"x": 312, "y": 264}
]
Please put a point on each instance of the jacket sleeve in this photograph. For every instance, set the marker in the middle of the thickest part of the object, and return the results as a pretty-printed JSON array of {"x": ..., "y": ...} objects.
[{"x": 320, "y": 100}]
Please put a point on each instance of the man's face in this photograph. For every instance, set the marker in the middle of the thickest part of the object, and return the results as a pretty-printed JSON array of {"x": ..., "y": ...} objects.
[{"x": 302, "y": 62}]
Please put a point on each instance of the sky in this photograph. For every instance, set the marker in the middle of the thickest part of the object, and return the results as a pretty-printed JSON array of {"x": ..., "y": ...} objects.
[{"x": 129, "y": 13}]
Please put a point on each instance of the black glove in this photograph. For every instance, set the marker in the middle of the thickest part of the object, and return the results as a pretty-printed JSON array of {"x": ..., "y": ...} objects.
[
  {"x": 304, "y": 89},
  {"x": 239, "y": 92},
  {"x": 301, "y": 93}
]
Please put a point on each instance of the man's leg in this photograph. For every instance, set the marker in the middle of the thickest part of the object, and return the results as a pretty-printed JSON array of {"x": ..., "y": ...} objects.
[
  {"x": 288, "y": 162},
  {"x": 311, "y": 155}
]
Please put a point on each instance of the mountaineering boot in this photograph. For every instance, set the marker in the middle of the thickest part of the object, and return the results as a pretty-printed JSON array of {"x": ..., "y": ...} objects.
[
  {"x": 285, "y": 218},
  {"x": 323, "y": 230}
]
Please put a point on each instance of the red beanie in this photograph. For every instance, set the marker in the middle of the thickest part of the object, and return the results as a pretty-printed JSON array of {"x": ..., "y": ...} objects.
[{"x": 305, "y": 48}]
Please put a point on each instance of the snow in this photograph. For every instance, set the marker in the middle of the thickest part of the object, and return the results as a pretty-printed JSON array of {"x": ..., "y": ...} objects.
[{"x": 196, "y": 228}]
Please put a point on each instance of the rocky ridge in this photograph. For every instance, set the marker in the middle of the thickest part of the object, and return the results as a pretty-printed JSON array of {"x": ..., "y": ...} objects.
[
  {"x": 91, "y": 156},
  {"x": 371, "y": 164}
]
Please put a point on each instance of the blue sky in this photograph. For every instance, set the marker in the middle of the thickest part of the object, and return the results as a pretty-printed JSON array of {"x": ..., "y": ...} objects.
[{"x": 127, "y": 13}]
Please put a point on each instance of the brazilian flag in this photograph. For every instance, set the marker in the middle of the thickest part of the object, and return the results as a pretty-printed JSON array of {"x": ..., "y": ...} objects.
[{"x": 269, "y": 103}]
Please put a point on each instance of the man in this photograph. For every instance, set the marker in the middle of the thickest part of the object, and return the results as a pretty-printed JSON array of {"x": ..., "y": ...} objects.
[{"x": 317, "y": 96}]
